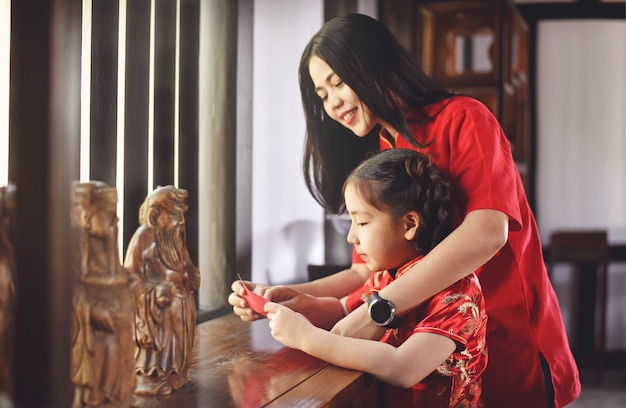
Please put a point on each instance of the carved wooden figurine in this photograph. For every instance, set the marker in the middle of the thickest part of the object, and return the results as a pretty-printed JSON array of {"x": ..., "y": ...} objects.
[
  {"x": 165, "y": 317},
  {"x": 103, "y": 362},
  {"x": 8, "y": 299}
]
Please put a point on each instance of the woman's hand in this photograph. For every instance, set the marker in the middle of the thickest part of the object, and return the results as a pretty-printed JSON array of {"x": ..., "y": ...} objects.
[
  {"x": 239, "y": 304},
  {"x": 288, "y": 327},
  {"x": 359, "y": 325}
]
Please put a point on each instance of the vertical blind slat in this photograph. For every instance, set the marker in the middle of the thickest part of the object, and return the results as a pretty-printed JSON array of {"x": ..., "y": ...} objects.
[
  {"x": 189, "y": 49},
  {"x": 164, "y": 70},
  {"x": 136, "y": 113},
  {"x": 103, "y": 128}
]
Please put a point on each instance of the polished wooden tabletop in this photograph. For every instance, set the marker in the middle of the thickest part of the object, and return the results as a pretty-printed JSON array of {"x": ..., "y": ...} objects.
[{"x": 239, "y": 364}]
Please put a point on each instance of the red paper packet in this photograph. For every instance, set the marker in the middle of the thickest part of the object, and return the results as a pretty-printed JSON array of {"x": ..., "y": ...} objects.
[{"x": 255, "y": 302}]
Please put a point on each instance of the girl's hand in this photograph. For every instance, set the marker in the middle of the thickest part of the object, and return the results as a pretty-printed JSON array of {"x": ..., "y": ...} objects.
[
  {"x": 358, "y": 324},
  {"x": 288, "y": 327},
  {"x": 322, "y": 312},
  {"x": 239, "y": 304}
]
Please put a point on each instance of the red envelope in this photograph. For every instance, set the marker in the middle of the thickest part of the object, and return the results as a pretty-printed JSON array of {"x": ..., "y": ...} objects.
[{"x": 256, "y": 302}]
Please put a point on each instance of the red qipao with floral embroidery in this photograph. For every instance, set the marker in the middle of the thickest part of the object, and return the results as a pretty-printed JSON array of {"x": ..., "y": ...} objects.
[
  {"x": 458, "y": 313},
  {"x": 465, "y": 141}
]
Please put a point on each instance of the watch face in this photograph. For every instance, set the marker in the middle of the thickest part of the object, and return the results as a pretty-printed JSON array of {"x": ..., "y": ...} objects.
[{"x": 380, "y": 312}]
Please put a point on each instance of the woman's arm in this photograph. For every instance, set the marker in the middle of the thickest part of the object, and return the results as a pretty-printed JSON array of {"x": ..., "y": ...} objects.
[
  {"x": 402, "y": 366},
  {"x": 337, "y": 285},
  {"x": 479, "y": 237}
]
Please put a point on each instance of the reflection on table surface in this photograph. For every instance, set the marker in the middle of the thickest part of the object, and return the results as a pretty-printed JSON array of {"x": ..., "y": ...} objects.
[{"x": 239, "y": 364}]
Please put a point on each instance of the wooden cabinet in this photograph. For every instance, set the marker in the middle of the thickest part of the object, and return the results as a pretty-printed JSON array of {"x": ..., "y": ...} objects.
[{"x": 472, "y": 47}]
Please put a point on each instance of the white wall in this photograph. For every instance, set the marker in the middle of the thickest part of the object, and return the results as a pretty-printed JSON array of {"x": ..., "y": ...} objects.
[
  {"x": 581, "y": 100},
  {"x": 287, "y": 224},
  {"x": 581, "y": 163}
]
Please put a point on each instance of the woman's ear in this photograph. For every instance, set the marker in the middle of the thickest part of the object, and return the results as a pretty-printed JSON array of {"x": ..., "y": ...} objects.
[{"x": 411, "y": 222}]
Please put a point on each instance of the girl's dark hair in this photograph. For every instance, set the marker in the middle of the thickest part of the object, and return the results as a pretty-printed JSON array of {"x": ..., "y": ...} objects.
[
  {"x": 387, "y": 78},
  {"x": 401, "y": 180}
]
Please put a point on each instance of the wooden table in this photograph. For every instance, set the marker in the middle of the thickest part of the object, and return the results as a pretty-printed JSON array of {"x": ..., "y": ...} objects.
[{"x": 239, "y": 364}]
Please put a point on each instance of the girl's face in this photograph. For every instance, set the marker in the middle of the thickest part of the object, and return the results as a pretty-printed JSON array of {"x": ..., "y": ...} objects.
[
  {"x": 340, "y": 102},
  {"x": 382, "y": 241}
]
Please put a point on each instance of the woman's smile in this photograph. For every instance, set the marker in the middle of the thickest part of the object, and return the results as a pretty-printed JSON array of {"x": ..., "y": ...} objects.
[{"x": 349, "y": 116}]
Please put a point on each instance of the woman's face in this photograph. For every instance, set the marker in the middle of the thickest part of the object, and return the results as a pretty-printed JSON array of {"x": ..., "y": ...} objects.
[{"x": 340, "y": 102}]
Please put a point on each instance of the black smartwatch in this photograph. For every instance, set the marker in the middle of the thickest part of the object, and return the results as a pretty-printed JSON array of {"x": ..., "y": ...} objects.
[{"x": 382, "y": 312}]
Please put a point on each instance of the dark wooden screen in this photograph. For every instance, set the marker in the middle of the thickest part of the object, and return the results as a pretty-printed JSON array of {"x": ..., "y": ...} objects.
[{"x": 44, "y": 148}]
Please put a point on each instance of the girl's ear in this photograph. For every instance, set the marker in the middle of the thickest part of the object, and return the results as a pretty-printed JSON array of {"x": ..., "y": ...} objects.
[{"x": 411, "y": 223}]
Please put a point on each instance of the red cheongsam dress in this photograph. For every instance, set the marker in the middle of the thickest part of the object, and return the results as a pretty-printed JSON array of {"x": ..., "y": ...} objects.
[{"x": 458, "y": 313}]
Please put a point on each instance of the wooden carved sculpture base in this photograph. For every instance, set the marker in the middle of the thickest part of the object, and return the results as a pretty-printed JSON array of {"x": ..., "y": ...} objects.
[
  {"x": 165, "y": 314},
  {"x": 8, "y": 300},
  {"x": 103, "y": 364}
]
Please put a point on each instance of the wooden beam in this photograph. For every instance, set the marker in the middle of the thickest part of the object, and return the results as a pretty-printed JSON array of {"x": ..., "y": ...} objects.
[{"x": 44, "y": 118}]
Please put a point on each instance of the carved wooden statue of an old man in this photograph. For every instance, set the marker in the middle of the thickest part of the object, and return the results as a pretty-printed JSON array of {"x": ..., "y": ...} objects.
[
  {"x": 165, "y": 315},
  {"x": 102, "y": 303}
]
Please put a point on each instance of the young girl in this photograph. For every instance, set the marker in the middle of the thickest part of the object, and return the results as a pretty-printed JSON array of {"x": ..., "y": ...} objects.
[
  {"x": 400, "y": 209},
  {"x": 362, "y": 92}
]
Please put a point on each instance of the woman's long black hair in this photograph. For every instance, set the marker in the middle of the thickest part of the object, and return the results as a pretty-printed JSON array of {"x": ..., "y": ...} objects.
[{"x": 386, "y": 77}]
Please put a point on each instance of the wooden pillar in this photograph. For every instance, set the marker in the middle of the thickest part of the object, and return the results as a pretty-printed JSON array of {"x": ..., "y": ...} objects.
[
  {"x": 336, "y": 8},
  {"x": 217, "y": 146},
  {"x": 44, "y": 123}
]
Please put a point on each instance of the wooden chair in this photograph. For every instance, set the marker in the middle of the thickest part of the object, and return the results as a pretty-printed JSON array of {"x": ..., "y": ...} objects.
[
  {"x": 321, "y": 271},
  {"x": 588, "y": 252}
]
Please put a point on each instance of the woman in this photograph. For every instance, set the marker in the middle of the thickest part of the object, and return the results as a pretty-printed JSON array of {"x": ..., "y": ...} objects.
[{"x": 361, "y": 92}]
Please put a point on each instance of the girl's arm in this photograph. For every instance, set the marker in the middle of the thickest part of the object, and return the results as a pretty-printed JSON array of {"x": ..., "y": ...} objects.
[
  {"x": 479, "y": 237},
  {"x": 402, "y": 366},
  {"x": 337, "y": 285}
]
